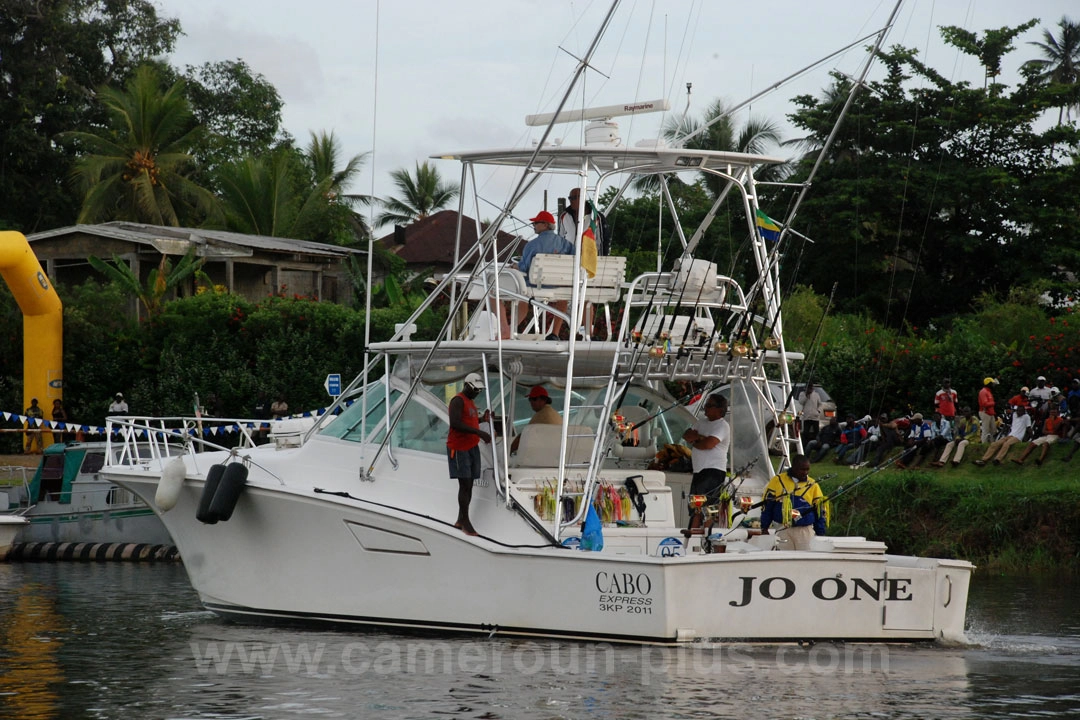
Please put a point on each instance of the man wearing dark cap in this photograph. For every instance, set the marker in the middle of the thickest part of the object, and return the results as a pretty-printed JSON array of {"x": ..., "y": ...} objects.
[
  {"x": 547, "y": 241},
  {"x": 463, "y": 446}
]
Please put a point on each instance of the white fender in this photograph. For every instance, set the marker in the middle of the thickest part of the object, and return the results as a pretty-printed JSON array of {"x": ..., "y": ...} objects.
[{"x": 168, "y": 489}]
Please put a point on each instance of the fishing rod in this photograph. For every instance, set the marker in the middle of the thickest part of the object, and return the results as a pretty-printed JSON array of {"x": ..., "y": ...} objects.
[
  {"x": 697, "y": 301},
  {"x": 678, "y": 304},
  {"x": 840, "y": 491},
  {"x": 813, "y": 345},
  {"x": 658, "y": 413}
]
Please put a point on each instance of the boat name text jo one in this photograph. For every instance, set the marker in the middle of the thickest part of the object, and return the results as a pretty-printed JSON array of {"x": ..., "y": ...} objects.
[{"x": 826, "y": 588}]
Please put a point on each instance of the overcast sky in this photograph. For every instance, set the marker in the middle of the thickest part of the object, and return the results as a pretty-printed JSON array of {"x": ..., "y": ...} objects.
[{"x": 411, "y": 78}]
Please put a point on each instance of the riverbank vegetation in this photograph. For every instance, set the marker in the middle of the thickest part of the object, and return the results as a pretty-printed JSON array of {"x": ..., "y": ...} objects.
[{"x": 1005, "y": 518}]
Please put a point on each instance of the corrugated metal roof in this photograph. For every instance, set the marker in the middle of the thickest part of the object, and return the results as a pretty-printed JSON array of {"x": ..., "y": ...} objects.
[{"x": 154, "y": 234}]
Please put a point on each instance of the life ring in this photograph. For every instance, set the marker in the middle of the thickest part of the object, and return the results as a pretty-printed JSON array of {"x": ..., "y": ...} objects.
[
  {"x": 228, "y": 491},
  {"x": 213, "y": 478}
]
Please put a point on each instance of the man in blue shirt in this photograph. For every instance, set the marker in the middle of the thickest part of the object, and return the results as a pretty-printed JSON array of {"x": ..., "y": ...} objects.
[{"x": 547, "y": 241}]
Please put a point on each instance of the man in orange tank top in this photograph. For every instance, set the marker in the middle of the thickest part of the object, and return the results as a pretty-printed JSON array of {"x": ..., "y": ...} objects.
[{"x": 463, "y": 446}]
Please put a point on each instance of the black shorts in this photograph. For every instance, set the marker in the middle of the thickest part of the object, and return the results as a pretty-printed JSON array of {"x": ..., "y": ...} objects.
[
  {"x": 708, "y": 482},
  {"x": 464, "y": 464}
]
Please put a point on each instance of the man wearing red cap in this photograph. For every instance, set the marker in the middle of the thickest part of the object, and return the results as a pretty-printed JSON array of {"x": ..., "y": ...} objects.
[
  {"x": 549, "y": 242},
  {"x": 543, "y": 413}
]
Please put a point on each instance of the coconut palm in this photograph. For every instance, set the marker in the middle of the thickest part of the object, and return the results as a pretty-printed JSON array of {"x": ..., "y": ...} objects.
[
  {"x": 757, "y": 136},
  {"x": 136, "y": 169},
  {"x": 1060, "y": 64},
  {"x": 323, "y": 155},
  {"x": 422, "y": 195}
]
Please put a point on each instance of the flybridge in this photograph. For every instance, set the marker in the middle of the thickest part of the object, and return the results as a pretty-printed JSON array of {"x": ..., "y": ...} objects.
[{"x": 599, "y": 113}]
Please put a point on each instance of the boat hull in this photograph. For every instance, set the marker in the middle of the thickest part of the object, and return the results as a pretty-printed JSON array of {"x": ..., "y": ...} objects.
[
  {"x": 332, "y": 560},
  {"x": 135, "y": 524}
]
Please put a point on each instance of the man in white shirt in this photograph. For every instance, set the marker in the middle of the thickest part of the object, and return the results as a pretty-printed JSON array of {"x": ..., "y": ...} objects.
[
  {"x": 811, "y": 413},
  {"x": 1021, "y": 423},
  {"x": 709, "y": 439},
  {"x": 118, "y": 406}
]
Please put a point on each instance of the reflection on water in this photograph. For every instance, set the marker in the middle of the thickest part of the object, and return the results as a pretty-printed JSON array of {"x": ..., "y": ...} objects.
[
  {"x": 128, "y": 641},
  {"x": 30, "y": 674}
]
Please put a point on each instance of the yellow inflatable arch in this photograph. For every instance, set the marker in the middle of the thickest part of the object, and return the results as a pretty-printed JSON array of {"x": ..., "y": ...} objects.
[{"x": 43, "y": 322}]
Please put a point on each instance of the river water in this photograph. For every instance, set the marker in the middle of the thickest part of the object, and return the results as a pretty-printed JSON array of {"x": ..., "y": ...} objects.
[{"x": 131, "y": 641}]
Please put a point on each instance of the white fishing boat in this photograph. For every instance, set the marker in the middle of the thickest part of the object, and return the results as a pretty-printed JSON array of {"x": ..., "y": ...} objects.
[
  {"x": 10, "y": 526},
  {"x": 65, "y": 500},
  {"x": 353, "y": 520}
]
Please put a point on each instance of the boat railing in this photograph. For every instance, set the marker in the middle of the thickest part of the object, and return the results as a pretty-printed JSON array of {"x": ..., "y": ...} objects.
[
  {"x": 136, "y": 440},
  {"x": 14, "y": 476}
]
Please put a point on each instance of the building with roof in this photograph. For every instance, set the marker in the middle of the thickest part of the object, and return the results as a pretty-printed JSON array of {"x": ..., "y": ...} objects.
[
  {"x": 429, "y": 243},
  {"x": 252, "y": 266}
]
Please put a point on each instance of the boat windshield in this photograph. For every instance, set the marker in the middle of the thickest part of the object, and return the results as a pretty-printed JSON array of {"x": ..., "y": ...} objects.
[{"x": 419, "y": 428}]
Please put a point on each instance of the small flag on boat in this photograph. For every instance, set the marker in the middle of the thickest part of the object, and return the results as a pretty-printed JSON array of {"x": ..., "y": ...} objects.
[
  {"x": 768, "y": 227},
  {"x": 588, "y": 248}
]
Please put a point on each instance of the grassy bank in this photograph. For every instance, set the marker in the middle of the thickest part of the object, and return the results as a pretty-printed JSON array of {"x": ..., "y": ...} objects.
[{"x": 1003, "y": 518}]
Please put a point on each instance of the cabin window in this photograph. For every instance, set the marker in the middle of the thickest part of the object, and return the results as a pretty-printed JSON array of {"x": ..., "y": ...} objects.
[
  {"x": 92, "y": 463},
  {"x": 420, "y": 429},
  {"x": 349, "y": 424}
]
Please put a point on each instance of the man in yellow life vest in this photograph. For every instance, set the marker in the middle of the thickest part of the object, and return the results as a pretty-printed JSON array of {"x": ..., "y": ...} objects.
[{"x": 794, "y": 500}]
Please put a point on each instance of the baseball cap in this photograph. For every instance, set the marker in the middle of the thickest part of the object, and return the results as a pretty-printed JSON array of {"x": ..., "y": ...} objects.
[
  {"x": 543, "y": 216},
  {"x": 990, "y": 381},
  {"x": 475, "y": 380},
  {"x": 119, "y": 395},
  {"x": 917, "y": 416},
  {"x": 1041, "y": 377},
  {"x": 538, "y": 391}
]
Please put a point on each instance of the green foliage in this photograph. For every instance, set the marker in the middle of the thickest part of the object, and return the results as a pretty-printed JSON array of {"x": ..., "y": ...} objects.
[
  {"x": 160, "y": 282},
  {"x": 870, "y": 369},
  {"x": 289, "y": 193},
  {"x": 422, "y": 193},
  {"x": 938, "y": 192},
  {"x": 55, "y": 54},
  {"x": 137, "y": 168},
  {"x": 240, "y": 110},
  {"x": 1008, "y": 518}
]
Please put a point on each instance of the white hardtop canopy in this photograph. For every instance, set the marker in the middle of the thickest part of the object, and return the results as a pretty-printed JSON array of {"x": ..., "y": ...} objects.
[{"x": 606, "y": 158}]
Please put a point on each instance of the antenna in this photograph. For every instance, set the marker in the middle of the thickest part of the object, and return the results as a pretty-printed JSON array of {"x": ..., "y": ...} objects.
[{"x": 598, "y": 113}]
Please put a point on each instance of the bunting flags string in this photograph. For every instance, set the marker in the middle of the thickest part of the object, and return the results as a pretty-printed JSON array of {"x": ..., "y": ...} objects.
[{"x": 226, "y": 429}]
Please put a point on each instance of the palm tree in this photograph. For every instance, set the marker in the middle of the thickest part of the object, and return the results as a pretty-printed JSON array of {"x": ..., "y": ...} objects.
[
  {"x": 160, "y": 282},
  {"x": 1060, "y": 64},
  {"x": 755, "y": 136},
  {"x": 294, "y": 194},
  {"x": 422, "y": 195},
  {"x": 137, "y": 168},
  {"x": 322, "y": 155}
]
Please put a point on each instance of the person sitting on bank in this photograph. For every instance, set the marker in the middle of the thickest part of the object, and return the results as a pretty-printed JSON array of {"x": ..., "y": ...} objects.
[
  {"x": 967, "y": 431},
  {"x": 547, "y": 241},
  {"x": 794, "y": 500},
  {"x": 1054, "y": 428},
  {"x": 1021, "y": 424},
  {"x": 543, "y": 413}
]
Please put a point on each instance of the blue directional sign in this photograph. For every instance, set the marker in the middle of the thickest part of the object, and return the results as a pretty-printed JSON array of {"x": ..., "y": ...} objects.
[{"x": 333, "y": 384}]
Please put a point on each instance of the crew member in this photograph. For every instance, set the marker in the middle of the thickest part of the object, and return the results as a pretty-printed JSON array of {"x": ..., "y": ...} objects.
[
  {"x": 543, "y": 413},
  {"x": 795, "y": 501},
  {"x": 463, "y": 446},
  {"x": 709, "y": 439}
]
